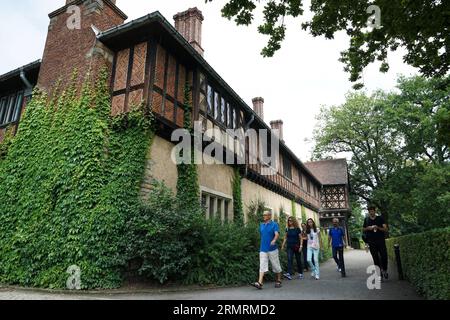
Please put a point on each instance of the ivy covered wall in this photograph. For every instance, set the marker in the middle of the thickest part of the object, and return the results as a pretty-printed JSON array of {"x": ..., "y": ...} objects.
[{"x": 69, "y": 182}]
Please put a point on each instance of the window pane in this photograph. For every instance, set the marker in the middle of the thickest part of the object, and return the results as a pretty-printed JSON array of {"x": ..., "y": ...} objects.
[
  {"x": 211, "y": 207},
  {"x": 217, "y": 106},
  {"x": 227, "y": 207},
  {"x": 234, "y": 119},
  {"x": 210, "y": 96},
  {"x": 10, "y": 112},
  {"x": 287, "y": 168},
  {"x": 223, "y": 111},
  {"x": 229, "y": 116},
  {"x": 202, "y": 82},
  {"x": 2, "y": 109},
  {"x": 203, "y": 103},
  {"x": 219, "y": 208},
  {"x": 18, "y": 107}
]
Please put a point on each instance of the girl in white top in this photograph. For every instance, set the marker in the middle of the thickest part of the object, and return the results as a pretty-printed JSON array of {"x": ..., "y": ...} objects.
[{"x": 314, "y": 244}]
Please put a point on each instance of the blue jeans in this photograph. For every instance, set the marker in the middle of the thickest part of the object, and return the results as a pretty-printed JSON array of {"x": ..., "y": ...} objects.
[
  {"x": 290, "y": 254},
  {"x": 338, "y": 256},
  {"x": 314, "y": 267}
]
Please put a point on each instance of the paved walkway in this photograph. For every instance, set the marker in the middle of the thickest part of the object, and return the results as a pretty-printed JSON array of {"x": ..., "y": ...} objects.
[{"x": 331, "y": 286}]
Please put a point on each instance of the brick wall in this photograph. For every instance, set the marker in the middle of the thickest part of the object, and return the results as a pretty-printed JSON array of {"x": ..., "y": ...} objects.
[{"x": 66, "y": 49}]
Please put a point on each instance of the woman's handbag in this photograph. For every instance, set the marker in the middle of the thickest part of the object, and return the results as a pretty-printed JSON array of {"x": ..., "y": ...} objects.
[{"x": 297, "y": 248}]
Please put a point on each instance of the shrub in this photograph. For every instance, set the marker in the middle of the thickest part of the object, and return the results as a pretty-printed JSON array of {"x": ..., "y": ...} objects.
[
  {"x": 425, "y": 261},
  {"x": 326, "y": 250},
  {"x": 229, "y": 254},
  {"x": 161, "y": 236}
]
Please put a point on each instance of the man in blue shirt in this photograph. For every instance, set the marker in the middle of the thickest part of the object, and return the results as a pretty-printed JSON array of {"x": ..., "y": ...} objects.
[
  {"x": 270, "y": 233},
  {"x": 336, "y": 238}
]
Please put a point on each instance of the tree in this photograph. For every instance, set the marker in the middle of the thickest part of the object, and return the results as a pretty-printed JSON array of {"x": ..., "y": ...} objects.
[
  {"x": 359, "y": 128},
  {"x": 419, "y": 26},
  {"x": 421, "y": 113},
  {"x": 398, "y": 149}
]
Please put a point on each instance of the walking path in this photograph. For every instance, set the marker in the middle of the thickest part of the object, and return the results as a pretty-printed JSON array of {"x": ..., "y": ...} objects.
[{"x": 330, "y": 286}]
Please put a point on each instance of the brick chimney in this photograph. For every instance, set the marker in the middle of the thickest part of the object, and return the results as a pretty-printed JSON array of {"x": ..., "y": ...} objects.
[
  {"x": 278, "y": 125},
  {"x": 72, "y": 43},
  {"x": 189, "y": 24},
  {"x": 258, "y": 106}
]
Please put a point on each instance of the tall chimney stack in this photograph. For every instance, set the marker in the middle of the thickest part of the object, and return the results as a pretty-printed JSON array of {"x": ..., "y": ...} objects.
[
  {"x": 258, "y": 106},
  {"x": 71, "y": 42},
  {"x": 278, "y": 125},
  {"x": 189, "y": 24}
]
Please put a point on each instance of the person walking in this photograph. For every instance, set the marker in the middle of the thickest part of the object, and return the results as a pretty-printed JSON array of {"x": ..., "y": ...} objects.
[
  {"x": 375, "y": 229},
  {"x": 294, "y": 247},
  {"x": 314, "y": 245},
  {"x": 336, "y": 239},
  {"x": 269, "y": 232},
  {"x": 305, "y": 247}
]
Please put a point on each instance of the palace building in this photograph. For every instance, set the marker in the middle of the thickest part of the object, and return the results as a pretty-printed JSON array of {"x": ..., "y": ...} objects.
[{"x": 150, "y": 61}]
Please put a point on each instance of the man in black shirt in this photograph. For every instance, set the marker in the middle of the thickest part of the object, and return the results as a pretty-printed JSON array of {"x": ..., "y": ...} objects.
[{"x": 375, "y": 229}]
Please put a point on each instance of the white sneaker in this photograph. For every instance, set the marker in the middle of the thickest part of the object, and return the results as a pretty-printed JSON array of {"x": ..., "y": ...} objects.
[
  {"x": 313, "y": 274},
  {"x": 317, "y": 277},
  {"x": 338, "y": 269}
]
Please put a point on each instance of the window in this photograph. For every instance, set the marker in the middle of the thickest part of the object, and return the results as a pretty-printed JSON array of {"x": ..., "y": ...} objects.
[
  {"x": 216, "y": 207},
  {"x": 287, "y": 169},
  {"x": 300, "y": 178},
  {"x": 10, "y": 108},
  {"x": 210, "y": 96},
  {"x": 223, "y": 111},
  {"x": 226, "y": 213},
  {"x": 216, "y": 106},
  {"x": 235, "y": 126},
  {"x": 3, "y": 103},
  {"x": 229, "y": 116},
  {"x": 308, "y": 186}
]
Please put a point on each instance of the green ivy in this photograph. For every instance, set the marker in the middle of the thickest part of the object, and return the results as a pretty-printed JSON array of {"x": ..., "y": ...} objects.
[
  {"x": 238, "y": 209},
  {"x": 293, "y": 209},
  {"x": 304, "y": 218},
  {"x": 6, "y": 143},
  {"x": 70, "y": 181},
  {"x": 188, "y": 188}
]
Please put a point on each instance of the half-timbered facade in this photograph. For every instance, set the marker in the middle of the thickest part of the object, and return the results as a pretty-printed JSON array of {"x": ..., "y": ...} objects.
[
  {"x": 151, "y": 63},
  {"x": 334, "y": 195}
]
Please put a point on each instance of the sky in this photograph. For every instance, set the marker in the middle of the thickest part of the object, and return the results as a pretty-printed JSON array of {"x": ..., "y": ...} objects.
[{"x": 303, "y": 76}]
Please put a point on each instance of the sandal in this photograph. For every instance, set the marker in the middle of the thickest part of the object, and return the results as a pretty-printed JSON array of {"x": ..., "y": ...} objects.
[
  {"x": 257, "y": 285},
  {"x": 278, "y": 284}
]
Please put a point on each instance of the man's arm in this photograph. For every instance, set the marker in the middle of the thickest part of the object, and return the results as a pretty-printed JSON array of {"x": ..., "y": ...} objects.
[
  {"x": 274, "y": 241},
  {"x": 384, "y": 228},
  {"x": 329, "y": 239}
]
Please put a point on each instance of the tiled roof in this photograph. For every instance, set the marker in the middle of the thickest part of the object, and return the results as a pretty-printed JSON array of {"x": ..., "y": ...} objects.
[{"x": 330, "y": 172}]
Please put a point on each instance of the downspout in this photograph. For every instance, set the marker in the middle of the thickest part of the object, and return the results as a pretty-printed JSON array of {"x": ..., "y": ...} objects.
[
  {"x": 28, "y": 85},
  {"x": 26, "y": 95}
]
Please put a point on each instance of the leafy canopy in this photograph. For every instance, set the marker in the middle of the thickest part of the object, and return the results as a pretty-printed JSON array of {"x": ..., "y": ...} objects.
[{"x": 421, "y": 27}]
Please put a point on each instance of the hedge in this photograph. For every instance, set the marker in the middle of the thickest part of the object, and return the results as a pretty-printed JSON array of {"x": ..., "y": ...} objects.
[{"x": 425, "y": 261}]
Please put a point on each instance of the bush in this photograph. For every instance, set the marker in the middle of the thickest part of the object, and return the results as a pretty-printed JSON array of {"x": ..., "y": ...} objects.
[
  {"x": 425, "y": 260},
  {"x": 161, "y": 236},
  {"x": 229, "y": 254},
  {"x": 326, "y": 250}
]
